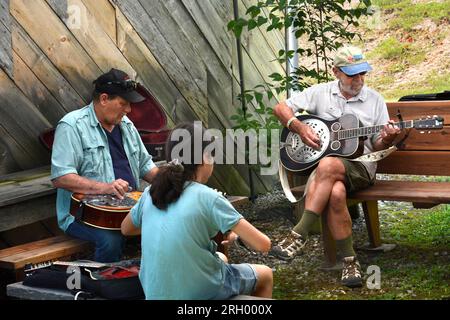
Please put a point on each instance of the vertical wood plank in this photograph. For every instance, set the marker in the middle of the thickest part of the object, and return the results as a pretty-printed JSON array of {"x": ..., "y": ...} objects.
[
  {"x": 22, "y": 122},
  {"x": 219, "y": 79},
  {"x": 151, "y": 73},
  {"x": 161, "y": 49},
  {"x": 44, "y": 69},
  {"x": 92, "y": 38},
  {"x": 186, "y": 37},
  {"x": 36, "y": 92},
  {"x": 8, "y": 161},
  {"x": 6, "y": 62},
  {"x": 212, "y": 26},
  {"x": 59, "y": 45},
  {"x": 274, "y": 39},
  {"x": 4, "y": 12},
  {"x": 105, "y": 14}
]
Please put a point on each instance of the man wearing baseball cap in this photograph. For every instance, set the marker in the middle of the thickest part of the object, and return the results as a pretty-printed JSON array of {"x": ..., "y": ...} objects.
[
  {"x": 336, "y": 176},
  {"x": 97, "y": 150}
]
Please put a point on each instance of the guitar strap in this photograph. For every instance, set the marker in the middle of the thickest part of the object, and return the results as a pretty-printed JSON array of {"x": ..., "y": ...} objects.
[
  {"x": 370, "y": 157},
  {"x": 79, "y": 213},
  {"x": 375, "y": 156}
]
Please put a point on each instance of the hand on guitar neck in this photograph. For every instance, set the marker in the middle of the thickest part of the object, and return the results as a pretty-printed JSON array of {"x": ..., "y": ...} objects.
[{"x": 387, "y": 135}]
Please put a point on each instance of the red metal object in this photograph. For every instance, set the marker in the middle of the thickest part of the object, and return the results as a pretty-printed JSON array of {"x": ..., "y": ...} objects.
[
  {"x": 46, "y": 138},
  {"x": 150, "y": 120}
]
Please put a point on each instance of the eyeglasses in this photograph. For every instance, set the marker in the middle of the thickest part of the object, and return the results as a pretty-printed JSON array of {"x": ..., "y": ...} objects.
[{"x": 358, "y": 74}]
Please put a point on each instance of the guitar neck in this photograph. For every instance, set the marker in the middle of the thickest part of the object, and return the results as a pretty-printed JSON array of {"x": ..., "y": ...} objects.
[
  {"x": 370, "y": 131},
  {"x": 80, "y": 264}
]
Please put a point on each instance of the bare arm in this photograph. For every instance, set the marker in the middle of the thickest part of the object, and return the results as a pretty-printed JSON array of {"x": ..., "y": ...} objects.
[
  {"x": 284, "y": 113},
  {"x": 79, "y": 184},
  {"x": 251, "y": 236},
  {"x": 149, "y": 176},
  {"x": 128, "y": 228}
]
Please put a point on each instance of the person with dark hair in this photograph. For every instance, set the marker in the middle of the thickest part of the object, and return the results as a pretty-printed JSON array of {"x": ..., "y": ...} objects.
[
  {"x": 177, "y": 216},
  {"x": 335, "y": 176},
  {"x": 98, "y": 150}
]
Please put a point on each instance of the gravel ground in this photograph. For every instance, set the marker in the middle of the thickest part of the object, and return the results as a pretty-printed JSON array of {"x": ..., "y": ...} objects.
[{"x": 303, "y": 278}]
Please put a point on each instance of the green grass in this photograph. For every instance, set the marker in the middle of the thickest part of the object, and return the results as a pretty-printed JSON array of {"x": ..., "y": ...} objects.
[
  {"x": 424, "y": 229},
  {"x": 431, "y": 84},
  {"x": 409, "y": 15},
  {"x": 415, "y": 281},
  {"x": 401, "y": 55},
  {"x": 405, "y": 48},
  {"x": 418, "y": 268}
]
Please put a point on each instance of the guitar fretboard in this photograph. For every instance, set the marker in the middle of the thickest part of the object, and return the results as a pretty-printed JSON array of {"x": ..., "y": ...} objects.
[{"x": 369, "y": 131}]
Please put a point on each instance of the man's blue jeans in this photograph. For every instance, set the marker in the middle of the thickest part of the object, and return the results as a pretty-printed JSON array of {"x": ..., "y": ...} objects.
[{"x": 108, "y": 243}]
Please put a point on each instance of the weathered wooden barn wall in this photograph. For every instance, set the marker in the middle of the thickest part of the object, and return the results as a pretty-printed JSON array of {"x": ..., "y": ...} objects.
[{"x": 52, "y": 50}]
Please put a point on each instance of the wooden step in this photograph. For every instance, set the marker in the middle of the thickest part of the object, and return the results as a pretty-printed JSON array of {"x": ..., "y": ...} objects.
[{"x": 17, "y": 257}]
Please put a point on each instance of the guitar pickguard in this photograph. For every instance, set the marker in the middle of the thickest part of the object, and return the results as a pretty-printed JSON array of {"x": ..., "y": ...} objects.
[{"x": 299, "y": 152}]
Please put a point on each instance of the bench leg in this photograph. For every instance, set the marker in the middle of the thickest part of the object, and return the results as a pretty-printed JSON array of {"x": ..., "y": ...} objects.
[{"x": 370, "y": 209}]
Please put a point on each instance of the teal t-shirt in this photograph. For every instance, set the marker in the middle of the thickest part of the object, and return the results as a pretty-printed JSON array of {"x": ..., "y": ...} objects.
[{"x": 178, "y": 255}]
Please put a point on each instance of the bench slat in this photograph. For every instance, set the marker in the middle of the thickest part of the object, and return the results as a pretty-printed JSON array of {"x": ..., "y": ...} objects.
[
  {"x": 438, "y": 140},
  {"x": 418, "y": 109},
  {"x": 43, "y": 252},
  {"x": 32, "y": 245},
  {"x": 21, "y": 191},
  {"x": 408, "y": 191},
  {"x": 416, "y": 163}
]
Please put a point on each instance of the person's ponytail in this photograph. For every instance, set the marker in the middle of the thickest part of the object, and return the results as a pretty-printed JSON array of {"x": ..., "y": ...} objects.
[
  {"x": 168, "y": 184},
  {"x": 170, "y": 181}
]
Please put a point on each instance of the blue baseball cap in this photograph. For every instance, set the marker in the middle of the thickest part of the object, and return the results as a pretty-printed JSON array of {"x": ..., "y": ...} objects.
[{"x": 350, "y": 60}]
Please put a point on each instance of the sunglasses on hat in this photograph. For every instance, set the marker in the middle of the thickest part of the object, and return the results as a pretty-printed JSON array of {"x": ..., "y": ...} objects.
[{"x": 125, "y": 84}]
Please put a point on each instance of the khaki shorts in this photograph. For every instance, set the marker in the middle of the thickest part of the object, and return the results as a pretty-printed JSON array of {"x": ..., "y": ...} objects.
[{"x": 356, "y": 176}]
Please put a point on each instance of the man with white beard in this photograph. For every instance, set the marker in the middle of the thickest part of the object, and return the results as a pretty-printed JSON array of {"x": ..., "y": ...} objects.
[{"x": 336, "y": 176}]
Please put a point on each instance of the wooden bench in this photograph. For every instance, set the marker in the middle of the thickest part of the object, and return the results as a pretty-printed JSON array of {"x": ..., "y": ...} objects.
[
  {"x": 27, "y": 197},
  {"x": 58, "y": 247},
  {"x": 422, "y": 154}
]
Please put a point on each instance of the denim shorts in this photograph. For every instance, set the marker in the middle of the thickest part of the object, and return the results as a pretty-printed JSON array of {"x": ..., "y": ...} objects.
[{"x": 239, "y": 279}]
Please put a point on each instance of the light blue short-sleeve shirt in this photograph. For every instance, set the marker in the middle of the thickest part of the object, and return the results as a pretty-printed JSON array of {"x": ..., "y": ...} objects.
[
  {"x": 326, "y": 100},
  {"x": 81, "y": 147},
  {"x": 178, "y": 255}
]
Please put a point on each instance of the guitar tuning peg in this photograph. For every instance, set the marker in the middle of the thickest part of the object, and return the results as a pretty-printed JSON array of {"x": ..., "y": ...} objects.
[
  {"x": 422, "y": 132},
  {"x": 429, "y": 132}
]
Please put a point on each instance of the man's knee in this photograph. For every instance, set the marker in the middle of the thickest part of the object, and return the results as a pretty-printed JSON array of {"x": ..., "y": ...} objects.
[
  {"x": 330, "y": 167},
  {"x": 338, "y": 196}
]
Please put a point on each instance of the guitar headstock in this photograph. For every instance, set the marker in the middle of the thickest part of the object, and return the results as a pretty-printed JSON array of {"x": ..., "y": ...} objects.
[{"x": 429, "y": 123}]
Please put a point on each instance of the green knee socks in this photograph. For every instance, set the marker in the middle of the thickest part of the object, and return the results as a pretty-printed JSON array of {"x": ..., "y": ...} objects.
[
  {"x": 309, "y": 218},
  {"x": 345, "y": 247}
]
